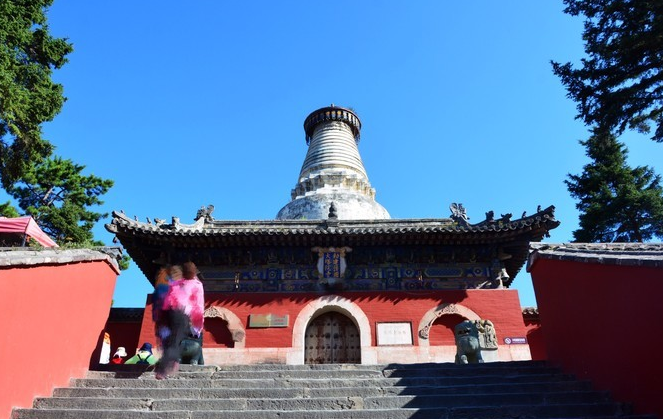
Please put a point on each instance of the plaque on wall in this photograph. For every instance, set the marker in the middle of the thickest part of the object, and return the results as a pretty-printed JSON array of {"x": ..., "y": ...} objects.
[
  {"x": 268, "y": 320},
  {"x": 331, "y": 261},
  {"x": 394, "y": 333}
]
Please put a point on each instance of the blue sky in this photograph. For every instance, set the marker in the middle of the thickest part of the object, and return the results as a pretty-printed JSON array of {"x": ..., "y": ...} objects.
[{"x": 203, "y": 103}]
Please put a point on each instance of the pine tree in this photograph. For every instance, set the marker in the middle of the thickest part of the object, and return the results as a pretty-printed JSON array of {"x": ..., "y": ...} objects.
[
  {"x": 50, "y": 189},
  {"x": 617, "y": 203},
  {"x": 620, "y": 83},
  {"x": 58, "y": 197},
  {"x": 28, "y": 95}
]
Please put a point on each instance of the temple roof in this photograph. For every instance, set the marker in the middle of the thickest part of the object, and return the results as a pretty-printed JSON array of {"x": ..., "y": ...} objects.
[
  {"x": 631, "y": 254},
  {"x": 145, "y": 240}
]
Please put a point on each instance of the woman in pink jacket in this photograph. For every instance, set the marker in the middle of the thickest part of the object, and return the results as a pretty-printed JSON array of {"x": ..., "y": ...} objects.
[{"x": 182, "y": 311}]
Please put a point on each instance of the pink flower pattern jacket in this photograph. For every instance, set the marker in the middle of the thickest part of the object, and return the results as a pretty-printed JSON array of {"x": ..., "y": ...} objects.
[{"x": 187, "y": 295}]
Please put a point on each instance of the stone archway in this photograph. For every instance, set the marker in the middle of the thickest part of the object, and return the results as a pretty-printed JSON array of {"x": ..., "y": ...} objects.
[
  {"x": 433, "y": 314},
  {"x": 322, "y": 305},
  {"x": 235, "y": 325}
]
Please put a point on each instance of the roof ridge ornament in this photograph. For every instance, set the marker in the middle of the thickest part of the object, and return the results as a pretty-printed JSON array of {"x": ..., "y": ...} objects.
[
  {"x": 332, "y": 212},
  {"x": 205, "y": 213},
  {"x": 332, "y": 219},
  {"x": 459, "y": 214}
]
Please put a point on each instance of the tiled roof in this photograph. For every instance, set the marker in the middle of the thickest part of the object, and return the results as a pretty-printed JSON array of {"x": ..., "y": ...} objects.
[
  {"x": 631, "y": 254},
  {"x": 530, "y": 313},
  {"x": 122, "y": 224},
  {"x": 143, "y": 240},
  {"x": 15, "y": 257}
]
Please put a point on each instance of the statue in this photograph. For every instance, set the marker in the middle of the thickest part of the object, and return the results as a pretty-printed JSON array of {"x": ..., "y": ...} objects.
[
  {"x": 458, "y": 214},
  {"x": 205, "y": 213},
  {"x": 191, "y": 351},
  {"x": 487, "y": 336},
  {"x": 468, "y": 350}
]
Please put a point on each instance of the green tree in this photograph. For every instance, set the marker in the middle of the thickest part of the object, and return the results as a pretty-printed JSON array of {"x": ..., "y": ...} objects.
[
  {"x": 28, "y": 95},
  {"x": 617, "y": 203},
  {"x": 58, "y": 197},
  {"x": 620, "y": 83},
  {"x": 8, "y": 210}
]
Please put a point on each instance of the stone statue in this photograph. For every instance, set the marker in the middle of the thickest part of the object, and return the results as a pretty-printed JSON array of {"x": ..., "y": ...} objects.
[
  {"x": 205, "y": 213},
  {"x": 191, "y": 351},
  {"x": 468, "y": 350},
  {"x": 487, "y": 333},
  {"x": 458, "y": 214}
]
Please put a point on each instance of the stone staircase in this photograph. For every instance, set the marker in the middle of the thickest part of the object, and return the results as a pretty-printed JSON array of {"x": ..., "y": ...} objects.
[{"x": 419, "y": 391}]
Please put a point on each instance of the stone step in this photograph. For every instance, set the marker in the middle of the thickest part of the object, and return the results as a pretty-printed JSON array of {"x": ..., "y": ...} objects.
[
  {"x": 100, "y": 414},
  {"x": 378, "y": 367},
  {"x": 480, "y": 369},
  {"x": 603, "y": 411},
  {"x": 338, "y": 373},
  {"x": 366, "y": 391},
  {"x": 489, "y": 412},
  {"x": 408, "y": 373},
  {"x": 143, "y": 368},
  {"x": 422, "y": 391},
  {"x": 181, "y": 381},
  {"x": 439, "y": 401}
]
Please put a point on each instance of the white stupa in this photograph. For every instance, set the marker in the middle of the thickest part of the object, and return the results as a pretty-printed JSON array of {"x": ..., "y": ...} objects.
[{"x": 333, "y": 171}]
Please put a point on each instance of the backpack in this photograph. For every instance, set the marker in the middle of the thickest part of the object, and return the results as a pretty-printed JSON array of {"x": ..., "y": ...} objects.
[{"x": 143, "y": 360}]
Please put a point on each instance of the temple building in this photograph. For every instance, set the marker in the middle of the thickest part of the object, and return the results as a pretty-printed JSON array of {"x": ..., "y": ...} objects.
[{"x": 334, "y": 279}]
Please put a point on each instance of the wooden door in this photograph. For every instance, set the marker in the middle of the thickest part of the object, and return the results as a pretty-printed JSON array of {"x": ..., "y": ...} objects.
[{"x": 332, "y": 338}]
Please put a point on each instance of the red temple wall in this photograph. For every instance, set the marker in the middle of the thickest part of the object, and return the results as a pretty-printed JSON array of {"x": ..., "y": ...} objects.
[
  {"x": 602, "y": 322},
  {"x": 502, "y": 307},
  {"x": 535, "y": 340},
  {"x": 53, "y": 319}
]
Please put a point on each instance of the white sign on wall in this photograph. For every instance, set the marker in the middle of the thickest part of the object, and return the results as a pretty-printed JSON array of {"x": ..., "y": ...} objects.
[{"x": 394, "y": 333}]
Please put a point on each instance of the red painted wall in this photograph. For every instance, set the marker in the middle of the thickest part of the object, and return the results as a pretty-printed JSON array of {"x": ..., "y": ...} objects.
[
  {"x": 52, "y": 318},
  {"x": 502, "y": 307},
  {"x": 603, "y": 323},
  {"x": 537, "y": 346}
]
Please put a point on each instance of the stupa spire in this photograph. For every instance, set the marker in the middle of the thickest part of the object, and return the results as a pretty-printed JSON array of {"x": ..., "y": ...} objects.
[{"x": 333, "y": 170}]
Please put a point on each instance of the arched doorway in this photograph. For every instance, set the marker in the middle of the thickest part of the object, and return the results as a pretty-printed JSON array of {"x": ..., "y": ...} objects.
[
  {"x": 442, "y": 330},
  {"x": 222, "y": 329},
  {"x": 216, "y": 334},
  {"x": 443, "y": 319},
  {"x": 332, "y": 338}
]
